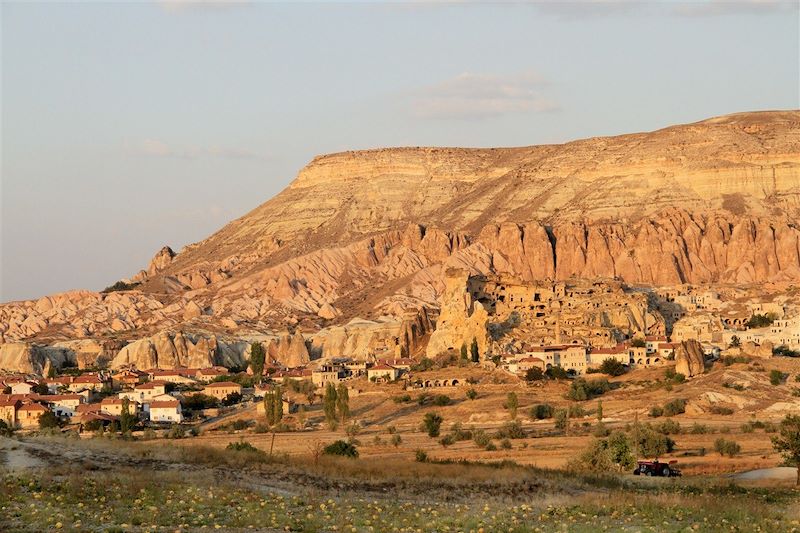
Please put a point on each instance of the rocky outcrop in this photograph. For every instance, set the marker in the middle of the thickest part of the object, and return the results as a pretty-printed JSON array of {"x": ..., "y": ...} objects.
[
  {"x": 461, "y": 318},
  {"x": 690, "y": 359},
  {"x": 361, "y": 238},
  {"x": 172, "y": 350},
  {"x": 289, "y": 349},
  {"x": 27, "y": 358}
]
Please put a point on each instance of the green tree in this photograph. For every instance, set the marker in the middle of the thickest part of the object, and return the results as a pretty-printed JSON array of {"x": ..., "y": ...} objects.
[
  {"x": 612, "y": 367},
  {"x": 472, "y": 393},
  {"x": 787, "y": 442},
  {"x": 342, "y": 402},
  {"x": 464, "y": 351},
  {"x": 432, "y": 423},
  {"x": 273, "y": 406},
  {"x": 473, "y": 348},
  {"x": 40, "y": 388},
  {"x": 512, "y": 403},
  {"x": 735, "y": 342},
  {"x": 48, "y": 419},
  {"x": 257, "y": 358},
  {"x": 561, "y": 419},
  {"x": 599, "y": 411},
  {"x": 126, "y": 419},
  {"x": 329, "y": 404},
  {"x": 534, "y": 374},
  {"x": 638, "y": 342}
]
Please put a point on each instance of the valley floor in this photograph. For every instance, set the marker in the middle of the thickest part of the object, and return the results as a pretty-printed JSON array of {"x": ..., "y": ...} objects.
[{"x": 113, "y": 485}]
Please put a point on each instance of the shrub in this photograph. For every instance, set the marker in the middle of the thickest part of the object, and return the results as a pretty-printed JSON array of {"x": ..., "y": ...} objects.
[
  {"x": 48, "y": 420},
  {"x": 442, "y": 400},
  {"x": 602, "y": 455},
  {"x": 612, "y": 367},
  {"x": 721, "y": 410},
  {"x": 423, "y": 398},
  {"x": 510, "y": 430},
  {"x": 556, "y": 372},
  {"x": 674, "y": 377},
  {"x": 656, "y": 411},
  {"x": 432, "y": 422},
  {"x": 446, "y": 441},
  {"x": 458, "y": 433},
  {"x": 240, "y": 424},
  {"x": 341, "y": 448},
  {"x": 729, "y": 360},
  {"x": 561, "y": 419},
  {"x": 727, "y": 447},
  {"x": 576, "y": 411},
  {"x": 653, "y": 443},
  {"x": 199, "y": 401},
  {"x": 404, "y": 398},
  {"x": 601, "y": 430},
  {"x": 699, "y": 429},
  {"x": 512, "y": 403},
  {"x": 776, "y": 377},
  {"x": 675, "y": 407},
  {"x": 638, "y": 342},
  {"x": 541, "y": 411},
  {"x": 534, "y": 374},
  {"x": 424, "y": 364},
  {"x": 505, "y": 444},
  {"x": 396, "y": 440},
  {"x": 669, "y": 427},
  {"x": 491, "y": 447},
  {"x": 761, "y": 321},
  {"x": 734, "y": 386},
  {"x": 480, "y": 438},
  {"x": 120, "y": 286},
  {"x": 242, "y": 446},
  {"x": 582, "y": 390},
  {"x": 785, "y": 351},
  {"x": 420, "y": 456}
]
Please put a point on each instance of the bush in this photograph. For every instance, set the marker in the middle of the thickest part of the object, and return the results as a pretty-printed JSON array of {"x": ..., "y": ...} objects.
[
  {"x": 603, "y": 455},
  {"x": 432, "y": 422},
  {"x": 581, "y": 390},
  {"x": 653, "y": 443},
  {"x": 776, "y": 377},
  {"x": 242, "y": 446},
  {"x": 576, "y": 411},
  {"x": 120, "y": 286},
  {"x": 240, "y": 424},
  {"x": 669, "y": 427},
  {"x": 472, "y": 393},
  {"x": 480, "y": 438},
  {"x": 404, "y": 398},
  {"x": 420, "y": 456},
  {"x": 561, "y": 419},
  {"x": 656, "y": 411},
  {"x": 442, "y": 400},
  {"x": 199, "y": 401},
  {"x": 341, "y": 448},
  {"x": 541, "y": 411},
  {"x": 729, "y": 360},
  {"x": 699, "y": 429},
  {"x": 556, "y": 372},
  {"x": 674, "y": 377},
  {"x": 734, "y": 386},
  {"x": 232, "y": 399},
  {"x": 727, "y": 447},
  {"x": 491, "y": 447},
  {"x": 48, "y": 420},
  {"x": 721, "y": 410},
  {"x": 785, "y": 351},
  {"x": 446, "y": 441},
  {"x": 761, "y": 321},
  {"x": 612, "y": 367},
  {"x": 534, "y": 374},
  {"x": 458, "y": 433},
  {"x": 675, "y": 407},
  {"x": 505, "y": 444},
  {"x": 396, "y": 440},
  {"x": 510, "y": 430}
]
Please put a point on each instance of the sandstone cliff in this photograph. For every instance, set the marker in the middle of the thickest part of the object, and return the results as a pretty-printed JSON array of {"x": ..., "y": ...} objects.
[{"x": 361, "y": 239}]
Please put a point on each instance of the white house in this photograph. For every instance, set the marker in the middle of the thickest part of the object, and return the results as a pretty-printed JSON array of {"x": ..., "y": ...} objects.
[
  {"x": 166, "y": 411},
  {"x": 382, "y": 372}
]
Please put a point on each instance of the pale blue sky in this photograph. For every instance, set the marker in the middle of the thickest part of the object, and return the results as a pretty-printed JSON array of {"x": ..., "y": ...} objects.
[{"x": 128, "y": 126}]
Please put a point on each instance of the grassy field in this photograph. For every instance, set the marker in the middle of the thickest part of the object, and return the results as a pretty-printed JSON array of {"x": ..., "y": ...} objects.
[{"x": 109, "y": 485}]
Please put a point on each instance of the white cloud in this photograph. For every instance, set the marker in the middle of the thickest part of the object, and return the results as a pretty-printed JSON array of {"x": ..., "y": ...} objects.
[
  {"x": 183, "y": 6},
  {"x": 710, "y": 8},
  {"x": 158, "y": 148},
  {"x": 470, "y": 95}
]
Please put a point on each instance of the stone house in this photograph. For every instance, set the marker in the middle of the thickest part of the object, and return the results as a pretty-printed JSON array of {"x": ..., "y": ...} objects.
[
  {"x": 382, "y": 372},
  {"x": 28, "y": 415},
  {"x": 22, "y": 387},
  {"x": 64, "y": 404},
  {"x": 221, "y": 389},
  {"x": 113, "y": 406},
  {"x": 146, "y": 391},
  {"x": 166, "y": 411},
  {"x": 207, "y": 375},
  {"x": 322, "y": 377},
  {"x": 91, "y": 382},
  {"x": 8, "y": 412}
]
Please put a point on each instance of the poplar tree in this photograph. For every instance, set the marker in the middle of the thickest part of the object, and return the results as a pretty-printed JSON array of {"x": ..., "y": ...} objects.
[
  {"x": 343, "y": 402},
  {"x": 329, "y": 404}
]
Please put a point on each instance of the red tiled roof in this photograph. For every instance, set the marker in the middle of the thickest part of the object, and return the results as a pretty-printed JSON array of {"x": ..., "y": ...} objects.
[
  {"x": 164, "y": 403},
  {"x": 382, "y": 367},
  {"x": 34, "y": 407},
  {"x": 222, "y": 384},
  {"x": 151, "y": 385}
]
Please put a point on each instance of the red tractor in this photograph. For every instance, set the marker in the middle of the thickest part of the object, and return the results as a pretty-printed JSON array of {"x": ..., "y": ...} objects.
[{"x": 656, "y": 468}]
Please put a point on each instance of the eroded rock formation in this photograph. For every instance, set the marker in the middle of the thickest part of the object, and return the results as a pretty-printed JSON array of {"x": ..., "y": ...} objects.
[{"x": 689, "y": 358}]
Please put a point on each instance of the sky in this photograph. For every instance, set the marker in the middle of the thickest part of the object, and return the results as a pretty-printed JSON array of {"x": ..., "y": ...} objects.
[{"x": 130, "y": 126}]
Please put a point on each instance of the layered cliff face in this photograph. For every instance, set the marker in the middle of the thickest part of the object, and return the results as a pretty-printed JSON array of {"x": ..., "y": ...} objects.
[{"x": 368, "y": 235}]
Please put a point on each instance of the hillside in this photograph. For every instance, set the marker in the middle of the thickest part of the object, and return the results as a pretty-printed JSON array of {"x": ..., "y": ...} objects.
[{"x": 369, "y": 234}]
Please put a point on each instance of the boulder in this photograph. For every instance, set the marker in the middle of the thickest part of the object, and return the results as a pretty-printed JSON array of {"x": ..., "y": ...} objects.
[{"x": 690, "y": 359}]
